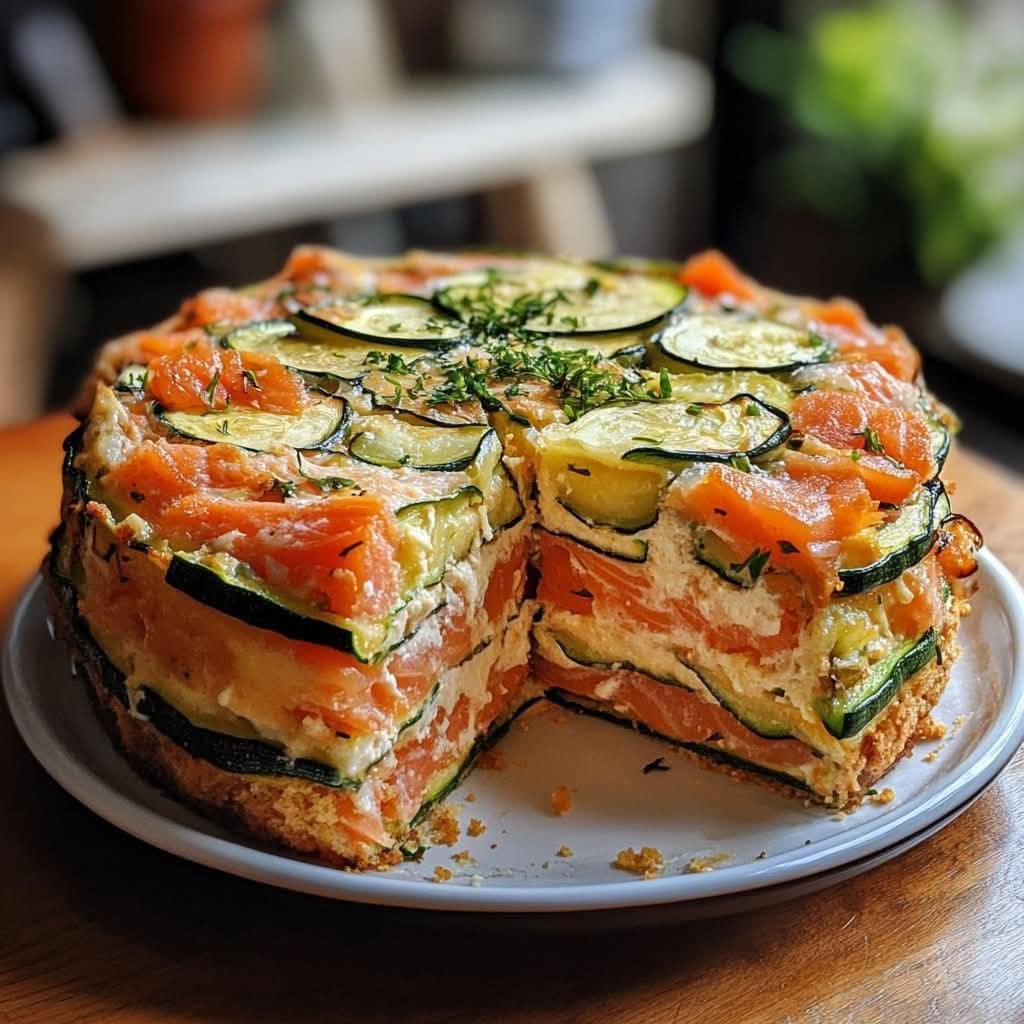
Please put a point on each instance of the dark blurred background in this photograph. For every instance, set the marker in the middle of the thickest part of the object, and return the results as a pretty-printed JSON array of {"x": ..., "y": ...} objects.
[{"x": 148, "y": 149}]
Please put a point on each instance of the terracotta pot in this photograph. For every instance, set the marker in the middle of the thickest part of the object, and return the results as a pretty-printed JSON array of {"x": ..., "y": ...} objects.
[{"x": 189, "y": 58}]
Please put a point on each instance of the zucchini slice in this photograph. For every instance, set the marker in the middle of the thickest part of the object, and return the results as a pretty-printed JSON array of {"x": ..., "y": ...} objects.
[
  {"x": 848, "y": 712},
  {"x": 561, "y": 299},
  {"x": 489, "y": 473},
  {"x": 610, "y": 540},
  {"x": 335, "y": 356},
  {"x": 319, "y": 425},
  {"x": 232, "y": 753},
  {"x": 224, "y": 751},
  {"x": 404, "y": 439},
  {"x": 259, "y": 336},
  {"x": 723, "y": 341},
  {"x": 721, "y": 558},
  {"x": 611, "y": 465},
  {"x": 941, "y": 441},
  {"x": 401, "y": 320},
  {"x": 763, "y": 724},
  {"x": 224, "y": 583},
  {"x": 903, "y": 542},
  {"x": 624, "y": 347},
  {"x": 436, "y": 533},
  {"x": 672, "y": 434},
  {"x": 578, "y": 653},
  {"x": 584, "y": 706}
]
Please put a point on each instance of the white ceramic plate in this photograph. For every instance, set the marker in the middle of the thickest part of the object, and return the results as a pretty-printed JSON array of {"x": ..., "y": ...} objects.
[{"x": 685, "y": 812}]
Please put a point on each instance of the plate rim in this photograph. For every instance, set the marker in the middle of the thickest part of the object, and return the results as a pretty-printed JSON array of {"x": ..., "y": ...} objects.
[{"x": 279, "y": 869}]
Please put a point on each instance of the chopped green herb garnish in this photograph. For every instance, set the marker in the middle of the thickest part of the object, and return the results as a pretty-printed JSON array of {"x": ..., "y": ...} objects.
[
  {"x": 788, "y": 548},
  {"x": 286, "y": 488},
  {"x": 752, "y": 409},
  {"x": 210, "y": 391},
  {"x": 753, "y": 564},
  {"x": 872, "y": 442},
  {"x": 222, "y": 428},
  {"x": 742, "y": 463}
]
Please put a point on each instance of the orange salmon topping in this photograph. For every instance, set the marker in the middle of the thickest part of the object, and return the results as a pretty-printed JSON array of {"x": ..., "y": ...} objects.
[
  {"x": 221, "y": 306},
  {"x": 714, "y": 274},
  {"x": 204, "y": 376},
  {"x": 856, "y": 337},
  {"x": 339, "y": 552},
  {"x": 885, "y": 480},
  {"x": 847, "y": 421},
  {"x": 797, "y": 520},
  {"x": 580, "y": 580}
]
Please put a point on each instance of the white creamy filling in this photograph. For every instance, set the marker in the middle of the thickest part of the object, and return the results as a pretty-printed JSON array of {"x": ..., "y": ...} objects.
[{"x": 671, "y": 572}]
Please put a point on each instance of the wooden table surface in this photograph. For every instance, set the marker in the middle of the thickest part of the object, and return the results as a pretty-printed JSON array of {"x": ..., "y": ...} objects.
[{"x": 96, "y": 926}]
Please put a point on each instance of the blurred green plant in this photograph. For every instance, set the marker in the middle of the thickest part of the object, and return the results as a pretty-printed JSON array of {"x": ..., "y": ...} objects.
[{"x": 912, "y": 123}]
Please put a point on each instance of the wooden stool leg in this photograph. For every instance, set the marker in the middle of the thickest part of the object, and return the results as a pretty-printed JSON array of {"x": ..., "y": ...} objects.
[{"x": 560, "y": 211}]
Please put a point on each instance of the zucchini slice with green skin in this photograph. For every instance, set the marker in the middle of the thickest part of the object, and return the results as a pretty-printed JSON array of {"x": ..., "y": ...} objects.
[
  {"x": 395, "y": 319},
  {"x": 847, "y": 713},
  {"x": 228, "y": 586},
  {"x": 624, "y": 347},
  {"x": 489, "y": 473},
  {"x": 229, "y": 753},
  {"x": 583, "y": 706},
  {"x": 724, "y": 341},
  {"x": 320, "y": 425},
  {"x": 611, "y": 466},
  {"x": 611, "y": 553},
  {"x": 561, "y": 300},
  {"x": 404, "y": 439},
  {"x": 327, "y": 354},
  {"x": 903, "y": 542},
  {"x": 440, "y": 531},
  {"x": 719, "y": 556},
  {"x": 673, "y": 434},
  {"x": 614, "y": 540},
  {"x": 259, "y": 336},
  {"x": 578, "y": 654},
  {"x": 232, "y": 753},
  {"x": 763, "y": 725},
  {"x": 941, "y": 439}
]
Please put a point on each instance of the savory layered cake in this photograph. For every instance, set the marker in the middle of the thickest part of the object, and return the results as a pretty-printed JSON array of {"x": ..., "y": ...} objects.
[{"x": 323, "y": 537}]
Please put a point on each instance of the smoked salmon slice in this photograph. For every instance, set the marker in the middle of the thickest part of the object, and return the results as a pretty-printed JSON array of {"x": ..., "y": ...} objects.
[
  {"x": 849, "y": 421},
  {"x": 672, "y": 711},
  {"x": 205, "y": 377}
]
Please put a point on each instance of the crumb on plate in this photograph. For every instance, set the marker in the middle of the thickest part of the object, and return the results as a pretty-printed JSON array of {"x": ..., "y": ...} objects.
[
  {"x": 647, "y": 862},
  {"x": 442, "y": 874},
  {"x": 929, "y": 729},
  {"x": 475, "y": 828},
  {"x": 564, "y": 851},
  {"x": 696, "y": 865},
  {"x": 561, "y": 800},
  {"x": 444, "y": 825}
]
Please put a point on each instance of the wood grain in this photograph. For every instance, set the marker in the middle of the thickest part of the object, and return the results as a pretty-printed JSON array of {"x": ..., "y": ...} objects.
[{"x": 97, "y": 926}]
